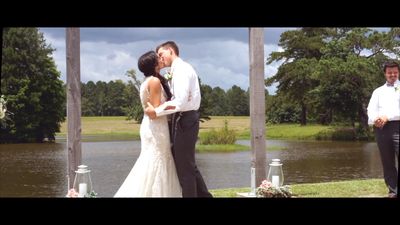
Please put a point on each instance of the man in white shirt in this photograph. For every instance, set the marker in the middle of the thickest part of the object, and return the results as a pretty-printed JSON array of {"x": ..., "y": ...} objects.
[
  {"x": 384, "y": 115},
  {"x": 184, "y": 126}
]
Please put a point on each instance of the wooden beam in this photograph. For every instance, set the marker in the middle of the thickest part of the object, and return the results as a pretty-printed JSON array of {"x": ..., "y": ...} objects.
[
  {"x": 73, "y": 101},
  {"x": 257, "y": 103}
]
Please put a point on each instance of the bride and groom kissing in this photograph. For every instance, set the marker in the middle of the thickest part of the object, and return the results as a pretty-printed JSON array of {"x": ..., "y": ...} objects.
[{"x": 166, "y": 165}]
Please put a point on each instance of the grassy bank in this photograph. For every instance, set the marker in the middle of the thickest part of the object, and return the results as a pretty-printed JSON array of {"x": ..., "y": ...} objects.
[
  {"x": 221, "y": 148},
  {"x": 342, "y": 189},
  {"x": 119, "y": 128},
  {"x": 292, "y": 132},
  {"x": 232, "y": 148}
]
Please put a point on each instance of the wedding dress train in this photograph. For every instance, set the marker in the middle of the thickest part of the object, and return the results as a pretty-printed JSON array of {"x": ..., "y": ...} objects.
[{"x": 154, "y": 173}]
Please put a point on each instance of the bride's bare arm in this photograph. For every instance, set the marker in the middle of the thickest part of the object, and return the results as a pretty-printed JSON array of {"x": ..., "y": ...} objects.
[{"x": 154, "y": 87}]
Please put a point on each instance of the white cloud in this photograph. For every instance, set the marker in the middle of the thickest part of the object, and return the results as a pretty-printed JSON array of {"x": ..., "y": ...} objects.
[{"x": 222, "y": 62}]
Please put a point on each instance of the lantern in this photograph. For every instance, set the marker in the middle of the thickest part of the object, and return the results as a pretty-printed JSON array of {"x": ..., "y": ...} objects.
[
  {"x": 275, "y": 173},
  {"x": 83, "y": 182}
]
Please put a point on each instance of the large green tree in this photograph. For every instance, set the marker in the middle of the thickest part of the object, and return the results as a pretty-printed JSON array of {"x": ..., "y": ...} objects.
[
  {"x": 32, "y": 86},
  {"x": 302, "y": 50},
  {"x": 331, "y": 72}
]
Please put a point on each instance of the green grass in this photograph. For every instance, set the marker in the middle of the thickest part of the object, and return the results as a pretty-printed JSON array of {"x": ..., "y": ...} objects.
[
  {"x": 291, "y": 132},
  {"x": 341, "y": 189},
  {"x": 275, "y": 148},
  {"x": 120, "y": 128},
  {"x": 221, "y": 148},
  {"x": 104, "y": 137}
]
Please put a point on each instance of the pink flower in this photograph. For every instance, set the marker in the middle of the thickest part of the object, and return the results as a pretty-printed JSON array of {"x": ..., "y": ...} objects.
[
  {"x": 72, "y": 193},
  {"x": 266, "y": 184},
  {"x": 268, "y": 191}
]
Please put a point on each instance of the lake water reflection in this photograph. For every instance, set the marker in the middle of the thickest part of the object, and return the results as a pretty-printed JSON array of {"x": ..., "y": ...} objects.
[{"x": 39, "y": 170}]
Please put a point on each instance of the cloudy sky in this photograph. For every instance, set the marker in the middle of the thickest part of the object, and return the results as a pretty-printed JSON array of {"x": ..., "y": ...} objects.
[{"x": 219, "y": 55}]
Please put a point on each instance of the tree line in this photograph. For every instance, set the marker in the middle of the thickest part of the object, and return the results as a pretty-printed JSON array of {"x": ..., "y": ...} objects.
[
  {"x": 326, "y": 76},
  {"x": 118, "y": 98}
]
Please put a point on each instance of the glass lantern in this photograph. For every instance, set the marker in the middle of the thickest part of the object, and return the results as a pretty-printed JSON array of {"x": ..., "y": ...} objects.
[
  {"x": 83, "y": 182},
  {"x": 275, "y": 173}
]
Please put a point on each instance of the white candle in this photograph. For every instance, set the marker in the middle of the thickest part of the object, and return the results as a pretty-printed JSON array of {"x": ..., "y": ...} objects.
[
  {"x": 253, "y": 181},
  {"x": 275, "y": 181},
  {"x": 82, "y": 189}
]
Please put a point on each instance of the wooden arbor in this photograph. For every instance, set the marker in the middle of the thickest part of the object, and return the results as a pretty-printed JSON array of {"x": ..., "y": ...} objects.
[
  {"x": 257, "y": 102},
  {"x": 73, "y": 101}
]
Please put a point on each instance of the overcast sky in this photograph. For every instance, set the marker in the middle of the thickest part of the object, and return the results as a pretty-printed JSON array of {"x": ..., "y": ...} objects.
[{"x": 219, "y": 55}]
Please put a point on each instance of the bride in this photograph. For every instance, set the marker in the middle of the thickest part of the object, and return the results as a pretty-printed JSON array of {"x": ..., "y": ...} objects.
[{"x": 154, "y": 173}]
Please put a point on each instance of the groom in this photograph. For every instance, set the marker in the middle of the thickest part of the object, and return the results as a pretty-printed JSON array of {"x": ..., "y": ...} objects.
[{"x": 184, "y": 120}]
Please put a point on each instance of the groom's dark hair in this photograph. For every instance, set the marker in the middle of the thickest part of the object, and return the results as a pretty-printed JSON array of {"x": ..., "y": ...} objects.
[{"x": 169, "y": 44}]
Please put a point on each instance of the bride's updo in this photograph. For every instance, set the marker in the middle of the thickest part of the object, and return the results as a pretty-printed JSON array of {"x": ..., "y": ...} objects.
[{"x": 147, "y": 64}]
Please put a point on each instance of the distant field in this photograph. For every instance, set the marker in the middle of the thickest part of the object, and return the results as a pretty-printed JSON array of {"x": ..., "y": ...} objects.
[
  {"x": 118, "y": 126},
  {"x": 107, "y": 125},
  {"x": 238, "y": 123}
]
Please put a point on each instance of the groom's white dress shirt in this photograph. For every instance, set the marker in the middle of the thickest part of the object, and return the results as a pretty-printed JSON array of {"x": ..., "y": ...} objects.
[
  {"x": 385, "y": 101},
  {"x": 185, "y": 89}
]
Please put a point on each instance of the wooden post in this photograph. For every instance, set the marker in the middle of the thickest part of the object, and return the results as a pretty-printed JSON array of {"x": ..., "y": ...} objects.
[
  {"x": 73, "y": 102},
  {"x": 257, "y": 103}
]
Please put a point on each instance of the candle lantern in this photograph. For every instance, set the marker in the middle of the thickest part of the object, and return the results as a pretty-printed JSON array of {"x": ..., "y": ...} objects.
[
  {"x": 83, "y": 182},
  {"x": 275, "y": 173}
]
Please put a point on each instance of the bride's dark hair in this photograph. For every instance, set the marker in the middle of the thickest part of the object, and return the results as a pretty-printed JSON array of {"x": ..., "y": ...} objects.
[{"x": 147, "y": 64}]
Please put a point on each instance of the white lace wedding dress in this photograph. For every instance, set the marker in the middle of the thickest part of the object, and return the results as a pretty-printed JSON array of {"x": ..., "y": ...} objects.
[{"x": 154, "y": 173}]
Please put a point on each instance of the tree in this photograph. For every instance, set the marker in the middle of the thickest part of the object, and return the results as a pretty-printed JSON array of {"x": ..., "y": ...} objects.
[
  {"x": 89, "y": 99},
  {"x": 238, "y": 101},
  {"x": 30, "y": 81},
  {"x": 218, "y": 102},
  {"x": 205, "y": 106},
  {"x": 114, "y": 99},
  {"x": 134, "y": 109},
  {"x": 301, "y": 54},
  {"x": 280, "y": 110},
  {"x": 101, "y": 93},
  {"x": 331, "y": 72}
]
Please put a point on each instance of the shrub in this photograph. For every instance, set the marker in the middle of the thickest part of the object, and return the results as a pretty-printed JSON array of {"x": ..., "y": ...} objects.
[{"x": 221, "y": 136}]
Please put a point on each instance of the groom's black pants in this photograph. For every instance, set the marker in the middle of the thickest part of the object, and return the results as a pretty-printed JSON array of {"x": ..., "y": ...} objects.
[
  {"x": 388, "y": 144},
  {"x": 184, "y": 130}
]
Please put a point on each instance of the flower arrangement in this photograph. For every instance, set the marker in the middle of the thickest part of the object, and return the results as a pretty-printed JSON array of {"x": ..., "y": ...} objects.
[
  {"x": 73, "y": 194},
  {"x": 267, "y": 190},
  {"x": 168, "y": 76}
]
